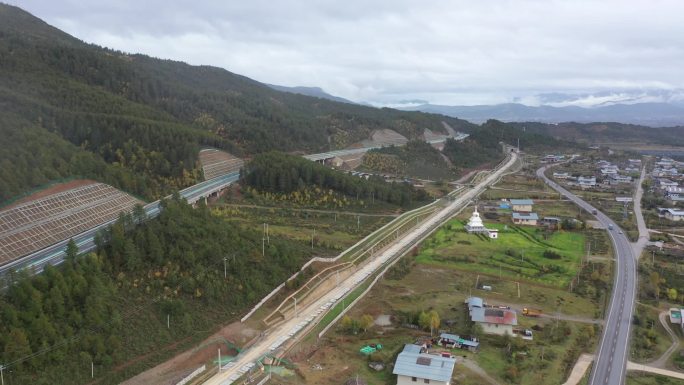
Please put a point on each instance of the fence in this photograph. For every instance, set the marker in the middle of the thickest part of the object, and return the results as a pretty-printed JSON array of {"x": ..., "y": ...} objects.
[{"x": 192, "y": 375}]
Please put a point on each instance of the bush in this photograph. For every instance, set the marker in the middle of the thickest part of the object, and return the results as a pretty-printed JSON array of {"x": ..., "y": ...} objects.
[{"x": 550, "y": 254}]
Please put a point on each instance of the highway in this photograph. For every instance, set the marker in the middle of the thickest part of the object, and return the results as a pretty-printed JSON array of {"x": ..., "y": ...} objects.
[
  {"x": 353, "y": 151},
  {"x": 278, "y": 335},
  {"x": 86, "y": 241},
  {"x": 611, "y": 359}
]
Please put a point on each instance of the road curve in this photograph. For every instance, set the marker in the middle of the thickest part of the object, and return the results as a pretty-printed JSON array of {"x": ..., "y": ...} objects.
[{"x": 611, "y": 358}]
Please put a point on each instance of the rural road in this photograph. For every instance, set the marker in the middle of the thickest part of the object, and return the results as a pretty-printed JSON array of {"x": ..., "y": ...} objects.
[
  {"x": 611, "y": 359},
  {"x": 661, "y": 362},
  {"x": 278, "y": 333}
]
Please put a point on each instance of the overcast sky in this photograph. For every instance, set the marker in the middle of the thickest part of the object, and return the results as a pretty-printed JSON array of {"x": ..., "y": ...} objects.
[{"x": 384, "y": 52}]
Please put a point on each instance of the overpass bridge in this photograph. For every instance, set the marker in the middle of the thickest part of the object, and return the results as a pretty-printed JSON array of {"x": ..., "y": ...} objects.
[
  {"x": 322, "y": 157},
  {"x": 85, "y": 241}
]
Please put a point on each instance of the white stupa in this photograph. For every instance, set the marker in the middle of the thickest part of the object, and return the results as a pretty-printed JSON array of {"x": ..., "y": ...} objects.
[{"x": 475, "y": 224}]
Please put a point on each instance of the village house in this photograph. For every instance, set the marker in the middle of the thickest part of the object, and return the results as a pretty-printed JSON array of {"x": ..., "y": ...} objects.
[
  {"x": 522, "y": 205},
  {"x": 528, "y": 219},
  {"x": 586, "y": 181},
  {"x": 413, "y": 366},
  {"x": 561, "y": 175},
  {"x": 454, "y": 341},
  {"x": 609, "y": 171},
  {"x": 492, "y": 320},
  {"x": 674, "y": 214},
  {"x": 665, "y": 183},
  {"x": 622, "y": 178},
  {"x": 550, "y": 222}
]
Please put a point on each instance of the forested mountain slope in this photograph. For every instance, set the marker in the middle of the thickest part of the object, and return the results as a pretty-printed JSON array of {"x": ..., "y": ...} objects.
[
  {"x": 608, "y": 133},
  {"x": 145, "y": 119}
]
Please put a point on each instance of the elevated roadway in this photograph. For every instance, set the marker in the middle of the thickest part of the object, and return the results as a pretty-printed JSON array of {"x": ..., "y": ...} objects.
[
  {"x": 612, "y": 356},
  {"x": 353, "y": 151},
  {"x": 85, "y": 241}
]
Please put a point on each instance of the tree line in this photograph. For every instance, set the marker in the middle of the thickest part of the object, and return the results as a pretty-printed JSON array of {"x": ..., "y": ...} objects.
[
  {"x": 110, "y": 305},
  {"x": 283, "y": 173}
]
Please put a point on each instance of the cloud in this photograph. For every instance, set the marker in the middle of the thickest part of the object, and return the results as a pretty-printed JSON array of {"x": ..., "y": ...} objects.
[{"x": 456, "y": 52}]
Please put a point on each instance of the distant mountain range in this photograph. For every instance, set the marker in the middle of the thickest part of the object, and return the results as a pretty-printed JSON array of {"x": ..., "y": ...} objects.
[
  {"x": 648, "y": 114},
  {"x": 316, "y": 92}
]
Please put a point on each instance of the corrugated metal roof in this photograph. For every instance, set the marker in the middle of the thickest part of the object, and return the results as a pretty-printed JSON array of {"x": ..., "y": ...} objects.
[
  {"x": 474, "y": 302},
  {"x": 530, "y": 216},
  {"x": 448, "y": 336},
  {"x": 421, "y": 365},
  {"x": 522, "y": 202},
  {"x": 469, "y": 343}
]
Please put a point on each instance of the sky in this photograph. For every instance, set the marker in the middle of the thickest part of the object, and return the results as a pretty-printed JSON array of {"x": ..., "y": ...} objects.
[{"x": 394, "y": 52}]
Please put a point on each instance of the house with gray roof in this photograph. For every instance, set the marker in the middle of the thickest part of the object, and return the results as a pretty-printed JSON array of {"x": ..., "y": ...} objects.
[
  {"x": 524, "y": 205},
  {"x": 416, "y": 367},
  {"x": 529, "y": 219},
  {"x": 492, "y": 320}
]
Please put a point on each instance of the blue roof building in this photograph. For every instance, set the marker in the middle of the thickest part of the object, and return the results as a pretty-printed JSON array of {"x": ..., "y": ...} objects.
[
  {"x": 413, "y": 366},
  {"x": 522, "y": 202}
]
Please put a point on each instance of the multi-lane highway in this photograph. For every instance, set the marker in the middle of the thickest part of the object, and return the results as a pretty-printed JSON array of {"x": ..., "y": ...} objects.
[
  {"x": 611, "y": 358},
  {"x": 279, "y": 334}
]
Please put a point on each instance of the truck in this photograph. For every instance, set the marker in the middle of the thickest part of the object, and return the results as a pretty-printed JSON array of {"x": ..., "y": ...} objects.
[
  {"x": 594, "y": 211},
  {"x": 531, "y": 312}
]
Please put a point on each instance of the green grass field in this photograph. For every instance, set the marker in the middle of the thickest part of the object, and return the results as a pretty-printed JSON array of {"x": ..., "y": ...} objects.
[{"x": 517, "y": 253}]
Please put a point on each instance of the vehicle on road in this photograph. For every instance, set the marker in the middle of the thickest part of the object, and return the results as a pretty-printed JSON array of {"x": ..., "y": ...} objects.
[
  {"x": 594, "y": 211},
  {"x": 532, "y": 312},
  {"x": 610, "y": 227}
]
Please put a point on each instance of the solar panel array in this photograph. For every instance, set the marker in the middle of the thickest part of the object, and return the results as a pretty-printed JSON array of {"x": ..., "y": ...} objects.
[
  {"x": 216, "y": 163},
  {"x": 43, "y": 222}
]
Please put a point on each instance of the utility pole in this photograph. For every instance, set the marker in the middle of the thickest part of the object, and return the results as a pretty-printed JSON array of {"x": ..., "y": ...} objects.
[
  {"x": 92, "y": 369},
  {"x": 219, "y": 360},
  {"x": 2, "y": 378},
  {"x": 263, "y": 246},
  {"x": 358, "y": 222},
  {"x": 168, "y": 321},
  {"x": 225, "y": 267}
]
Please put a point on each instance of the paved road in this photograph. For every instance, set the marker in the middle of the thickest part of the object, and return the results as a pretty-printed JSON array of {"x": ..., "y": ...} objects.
[
  {"x": 85, "y": 241},
  {"x": 351, "y": 151},
  {"x": 277, "y": 335},
  {"x": 611, "y": 359}
]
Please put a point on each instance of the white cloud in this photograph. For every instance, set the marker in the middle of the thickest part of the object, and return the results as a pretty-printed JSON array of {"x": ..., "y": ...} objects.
[{"x": 456, "y": 52}]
